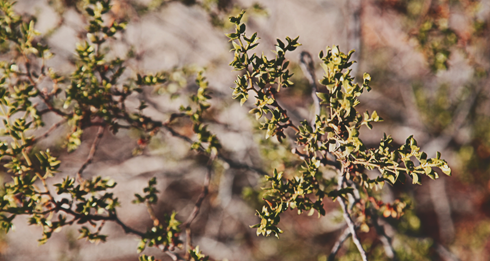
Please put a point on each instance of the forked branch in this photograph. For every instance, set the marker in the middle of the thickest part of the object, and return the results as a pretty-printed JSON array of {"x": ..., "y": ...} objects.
[{"x": 348, "y": 218}]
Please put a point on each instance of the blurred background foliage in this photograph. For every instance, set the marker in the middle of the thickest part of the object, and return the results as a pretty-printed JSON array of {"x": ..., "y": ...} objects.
[{"x": 429, "y": 61}]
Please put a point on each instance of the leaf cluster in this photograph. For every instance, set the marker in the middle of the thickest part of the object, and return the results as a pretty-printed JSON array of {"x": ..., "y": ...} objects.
[
  {"x": 332, "y": 141},
  {"x": 94, "y": 95}
]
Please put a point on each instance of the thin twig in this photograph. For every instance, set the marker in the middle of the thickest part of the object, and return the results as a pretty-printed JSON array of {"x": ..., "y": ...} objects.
[
  {"x": 348, "y": 219},
  {"x": 238, "y": 165},
  {"x": 100, "y": 226},
  {"x": 174, "y": 256},
  {"x": 127, "y": 229},
  {"x": 115, "y": 218},
  {"x": 41, "y": 94},
  {"x": 111, "y": 217},
  {"x": 197, "y": 207},
  {"x": 171, "y": 255},
  {"x": 231, "y": 163},
  {"x": 46, "y": 134},
  {"x": 91, "y": 154}
]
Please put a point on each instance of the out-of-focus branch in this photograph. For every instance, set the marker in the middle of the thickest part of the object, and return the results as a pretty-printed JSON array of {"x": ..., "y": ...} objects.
[
  {"x": 353, "y": 29},
  {"x": 340, "y": 241},
  {"x": 423, "y": 14},
  {"x": 383, "y": 237},
  {"x": 440, "y": 249},
  {"x": 445, "y": 253},
  {"x": 442, "y": 208},
  {"x": 238, "y": 165},
  {"x": 308, "y": 67},
  {"x": 438, "y": 194},
  {"x": 174, "y": 256}
]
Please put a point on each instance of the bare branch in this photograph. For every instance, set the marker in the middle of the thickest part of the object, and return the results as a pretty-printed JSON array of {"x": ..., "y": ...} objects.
[
  {"x": 307, "y": 65},
  {"x": 51, "y": 129},
  {"x": 41, "y": 94},
  {"x": 93, "y": 149},
  {"x": 197, "y": 207},
  {"x": 231, "y": 163},
  {"x": 348, "y": 219},
  {"x": 171, "y": 254},
  {"x": 111, "y": 217},
  {"x": 354, "y": 31},
  {"x": 151, "y": 212}
]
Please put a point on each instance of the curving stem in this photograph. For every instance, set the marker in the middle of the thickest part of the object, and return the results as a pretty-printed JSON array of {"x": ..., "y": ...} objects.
[{"x": 348, "y": 219}]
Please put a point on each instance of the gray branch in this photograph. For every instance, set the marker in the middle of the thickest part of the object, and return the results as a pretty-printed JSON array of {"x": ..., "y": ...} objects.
[{"x": 348, "y": 219}]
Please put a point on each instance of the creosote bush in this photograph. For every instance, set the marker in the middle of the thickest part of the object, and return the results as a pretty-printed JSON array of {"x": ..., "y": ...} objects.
[{"x": 335, "y": 162}]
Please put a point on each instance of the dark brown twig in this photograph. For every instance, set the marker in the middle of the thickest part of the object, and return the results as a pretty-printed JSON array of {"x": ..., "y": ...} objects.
[
  {"x": 127, "y": 230},
  {"x": 41, "y": 94},
  {"x": 93, "y": 149},
  {"x": 231, "y": 163},
  {"x": 111, "y": 217},
  {"x": 51, "y": 129},
  {"x": 197, "y": 207}
]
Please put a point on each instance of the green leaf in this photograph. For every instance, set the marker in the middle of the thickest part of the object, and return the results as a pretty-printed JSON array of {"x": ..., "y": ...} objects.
[
  {"x": 90, "y": 11},
  {"x": 415, "y": 178},
  {"x": 324, "y": 97},
  {"x": 446, "y": 169},
  {"x": 237, "y": 19}
]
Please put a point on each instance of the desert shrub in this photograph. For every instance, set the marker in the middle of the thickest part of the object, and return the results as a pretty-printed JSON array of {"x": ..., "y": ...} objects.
[{"x": 332, "y": 162}]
